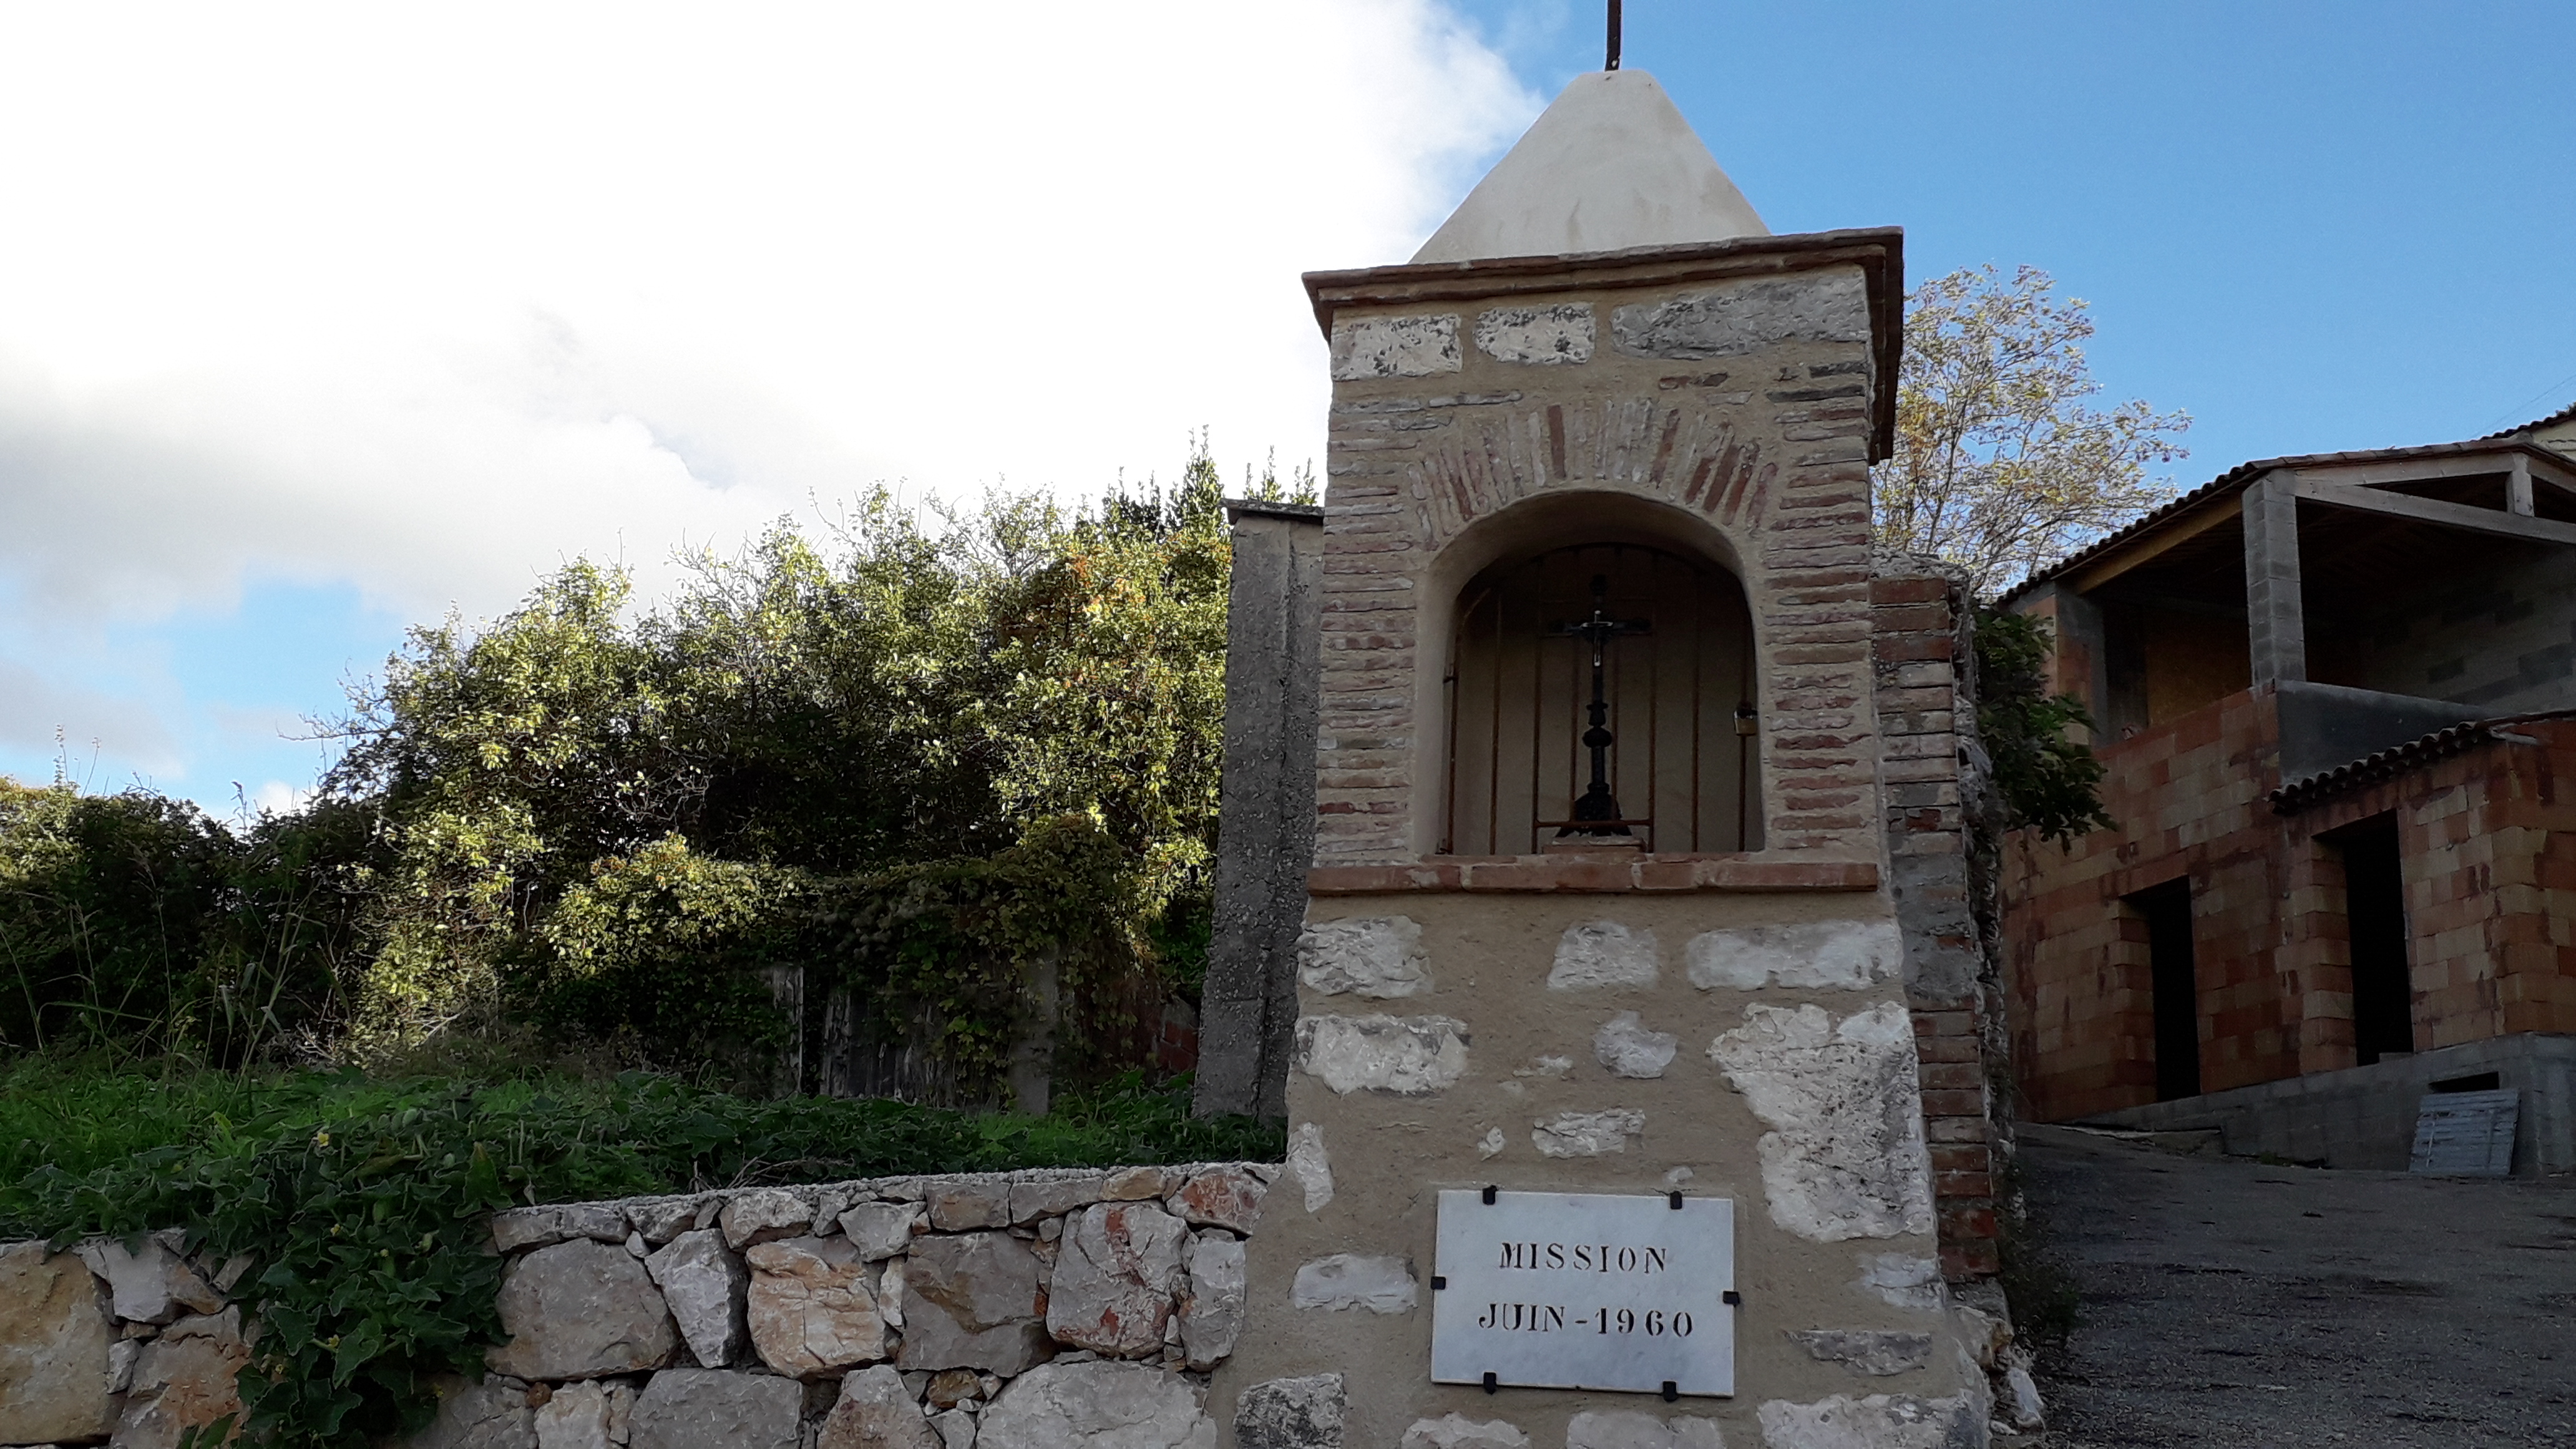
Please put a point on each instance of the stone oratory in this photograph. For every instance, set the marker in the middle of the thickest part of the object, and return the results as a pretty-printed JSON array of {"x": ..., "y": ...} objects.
[{"x": 1635, "y": 943}]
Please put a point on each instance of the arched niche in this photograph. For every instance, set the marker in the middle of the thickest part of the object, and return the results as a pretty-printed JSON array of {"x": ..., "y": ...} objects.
[{"x": 1682, "y": 693}]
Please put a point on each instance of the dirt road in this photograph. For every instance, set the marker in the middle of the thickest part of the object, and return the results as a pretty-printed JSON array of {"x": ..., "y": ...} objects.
[{"x": 2230, "y": 1303}]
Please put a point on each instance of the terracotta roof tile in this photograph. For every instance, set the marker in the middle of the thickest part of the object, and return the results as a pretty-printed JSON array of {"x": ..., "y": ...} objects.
[
  {"x": 2397, "y": 760},
  {"x": 2235, "y": 479}
]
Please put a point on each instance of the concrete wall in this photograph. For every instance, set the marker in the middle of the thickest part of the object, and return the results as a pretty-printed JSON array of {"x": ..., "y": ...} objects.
[
  {"x": 1266, "y": 810},
  {"x": 2364, "y": 1117},
  {"x": 1030, "y": 1310}
]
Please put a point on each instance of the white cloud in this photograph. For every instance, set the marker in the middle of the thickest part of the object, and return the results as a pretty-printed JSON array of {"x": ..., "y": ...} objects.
[
  {"x": 429, "y": 299},
  {"x": 78, "y": 724},
  {"x": 277, "y": 797}
]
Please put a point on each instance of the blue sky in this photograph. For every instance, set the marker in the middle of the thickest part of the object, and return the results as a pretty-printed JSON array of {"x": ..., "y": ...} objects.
[
  {"x": 272, "y": 389},
  {"x": 2312, "y": 226}
]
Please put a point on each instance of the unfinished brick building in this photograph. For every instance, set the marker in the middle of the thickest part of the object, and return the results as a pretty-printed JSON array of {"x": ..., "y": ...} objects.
[{"x": 2336, "y": 697}]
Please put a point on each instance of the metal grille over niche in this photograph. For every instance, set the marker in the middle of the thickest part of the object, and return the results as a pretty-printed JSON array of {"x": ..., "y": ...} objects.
[{"x": 1676, "y": 680}]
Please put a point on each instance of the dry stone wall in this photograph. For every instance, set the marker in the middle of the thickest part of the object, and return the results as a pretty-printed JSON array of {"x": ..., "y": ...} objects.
[{"x": 1030, "y": 1310}]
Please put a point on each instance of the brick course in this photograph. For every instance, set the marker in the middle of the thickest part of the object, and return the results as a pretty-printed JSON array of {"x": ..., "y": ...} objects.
[{"x": 1950, "y": 979}]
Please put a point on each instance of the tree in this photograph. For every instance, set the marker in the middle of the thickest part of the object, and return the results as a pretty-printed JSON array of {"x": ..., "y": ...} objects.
[
  {"x": 2048, "y": 779},
  {"x": 2000, "y": 465}
]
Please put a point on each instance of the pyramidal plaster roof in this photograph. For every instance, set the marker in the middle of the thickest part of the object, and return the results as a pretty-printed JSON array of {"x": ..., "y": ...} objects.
[{"x": 1610, "y": 164}]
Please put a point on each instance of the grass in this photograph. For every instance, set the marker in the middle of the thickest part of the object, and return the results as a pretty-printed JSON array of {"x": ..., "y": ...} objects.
[
  {"x": 358, "y": 1200},
  {"x": 86, "y": 1146}
]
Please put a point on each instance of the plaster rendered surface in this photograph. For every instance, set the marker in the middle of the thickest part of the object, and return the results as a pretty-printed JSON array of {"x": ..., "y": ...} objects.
[
  {"x": 1609, "y": 164},
  {"x": 1361, "y": 1258}
]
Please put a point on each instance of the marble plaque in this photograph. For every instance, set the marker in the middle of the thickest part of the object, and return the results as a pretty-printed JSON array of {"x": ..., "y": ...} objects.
[{"x": 1563, "y": 1290}]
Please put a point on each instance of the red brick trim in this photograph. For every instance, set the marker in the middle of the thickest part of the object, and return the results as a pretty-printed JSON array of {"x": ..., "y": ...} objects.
[{"x": 1653, "y": 874}]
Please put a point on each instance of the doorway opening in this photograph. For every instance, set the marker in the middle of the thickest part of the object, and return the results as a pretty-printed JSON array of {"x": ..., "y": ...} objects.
[
  {"x": 2383, "y": 987},
  {"x": 2173, "y": 986}
]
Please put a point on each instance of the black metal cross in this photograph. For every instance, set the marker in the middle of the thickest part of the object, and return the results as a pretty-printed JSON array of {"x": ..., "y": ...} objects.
[
  {"x": 1613, "y": 62},
  {"x": 1598, "y": 804}
]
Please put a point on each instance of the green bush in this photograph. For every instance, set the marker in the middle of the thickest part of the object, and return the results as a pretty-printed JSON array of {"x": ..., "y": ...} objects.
[
  {"x": 136, "y": 923},
  {"x": 360, "y": 1201}
]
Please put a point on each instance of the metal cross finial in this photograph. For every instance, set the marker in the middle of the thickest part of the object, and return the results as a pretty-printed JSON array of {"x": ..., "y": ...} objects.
[
  {"x": 1613, "y": 62},
  {"x": 1597, "y": 813}
]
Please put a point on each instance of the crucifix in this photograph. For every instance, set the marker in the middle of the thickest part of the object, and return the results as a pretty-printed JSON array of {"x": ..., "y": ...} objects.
[{"x": 1597, "y": 813}]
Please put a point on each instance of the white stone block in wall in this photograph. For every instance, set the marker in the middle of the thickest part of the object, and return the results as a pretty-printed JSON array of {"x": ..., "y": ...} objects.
[
  {"x": 1630, "y": 1429},
  {"x": 1405, "y": 1056},
  {"x": 184, "y": 1379},
  {"x": 809, "y": 1307},
  {"x": 972, "y": 1300},
  {"x": 1097, "y": 1405},
  {"x": 663, "y": 1218},
  {"x": 1880, "y": 1421},
  {"x": 1587, "y": 1134},
  {"x": 150, "y": 1283},
  {"x": 1211, "y": 1309},
  {"x": 54, "y": 1337},
  {"x": 574, "y": 1417},
  {"x": 879, "y": 1230},
  {"x": 685, "y": 1408},
  {"x": 876, "y": 1411},
  {"x": 578, "y": 1310},
  {"x": 1598, "y": 954},
  {"x": 956, "y": 1429},
  {"x": 1373, "y": 347},
  {"x": 1116, "y": 1273},
  {"x": 1457, "y": 1431},
  {"x": 1874, "y": 1352},
  {"x": 1312, "y": 1166},
  {"x": 1222, "y": 1197},
  {"x": 766, "y": 1214},
  {"x": 1541, "y": 335},
  {"x": 891, "y": 1283},
  {"x": 1056, "y": 1193},
  {"x": 1628, "y": 1049},
  {"x": 1844, "y": 1157},
  {"x": 1817, "y": 955},
  {"x": 1295, "y": 1413},
  {"x": 705, "y": 1286},
  {"x": 1904, "y": 1280},
  {"x": 1735, "y": 318},
  {"x": 1355, "y": 1280},
  {"x": 1377, "y": 956},
  {"x": 492, "y": 1414}
]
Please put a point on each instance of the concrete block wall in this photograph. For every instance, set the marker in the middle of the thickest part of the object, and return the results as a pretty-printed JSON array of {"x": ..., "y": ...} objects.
[
  {"x": 2504, "y": 641},
  {"x": 1029, "y": 1310}
]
